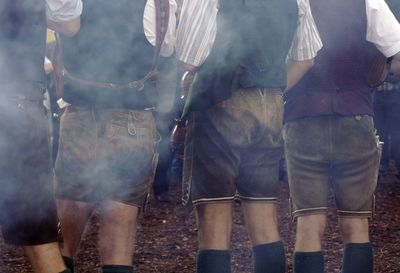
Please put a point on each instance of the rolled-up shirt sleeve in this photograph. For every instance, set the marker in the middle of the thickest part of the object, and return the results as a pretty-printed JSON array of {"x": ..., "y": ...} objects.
[
  {"x": 63, "y": 10},
  {"x": 383, "y": 29},
  {"x": 196, "y": 31},
  {"x": 307, "y": 41}
]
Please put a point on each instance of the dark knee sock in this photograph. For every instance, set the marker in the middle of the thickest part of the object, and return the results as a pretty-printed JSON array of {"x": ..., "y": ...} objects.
[
  {"x": 269, "y": 257},
  {"x": 213, "y": 261},
  {"x": 66, "y": 271},
  {"x": 358, "y": 258},
  {"x": 117, "y": 269},
  {"x": 69, "y": 263},
  {"x": 308, "y": 262}
]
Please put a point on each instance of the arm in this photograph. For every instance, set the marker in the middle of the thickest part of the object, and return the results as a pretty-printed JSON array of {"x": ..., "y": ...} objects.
[
  {"x": 68, "y": 28},
  {"x": 296, "y": 70},
  {"x": 305, "y": 46},
  {"x": 196, "y": 31},
  {"x": 383, "y": 30},
  {"x": 64, "y": 15}
]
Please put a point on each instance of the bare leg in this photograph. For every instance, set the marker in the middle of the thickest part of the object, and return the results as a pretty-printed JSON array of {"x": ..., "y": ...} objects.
[
  {"x": 262, "y": 226},
  {"x": 117, "y": 233},
  {"x": 354, "y": 230},
  {"x": 358, "y": 252},
  {"x": 308, "y": 256},
  {"x": 45, "y": 258},
  {"x": 215, "y": 225},
  {"x": 261, "y": 222},
  {"x": 73, "y": 216},
  {"x": 310, "y": 230}
]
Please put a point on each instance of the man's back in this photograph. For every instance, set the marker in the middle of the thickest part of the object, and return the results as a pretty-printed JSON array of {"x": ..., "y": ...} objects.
[{"x": 22, "y": 41}]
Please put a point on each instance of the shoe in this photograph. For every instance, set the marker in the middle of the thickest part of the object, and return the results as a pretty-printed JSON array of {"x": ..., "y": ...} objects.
[{"x": 164, "y": 197}]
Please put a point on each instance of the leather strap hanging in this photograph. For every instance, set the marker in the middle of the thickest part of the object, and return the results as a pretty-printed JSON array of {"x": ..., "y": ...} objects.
[
  {"x": 162, "y": 20},
  {"x": 57, "y": 61}
]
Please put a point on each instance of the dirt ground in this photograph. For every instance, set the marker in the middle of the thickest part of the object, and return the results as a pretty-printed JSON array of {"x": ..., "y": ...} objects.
[{"x": 167, "y": 238}]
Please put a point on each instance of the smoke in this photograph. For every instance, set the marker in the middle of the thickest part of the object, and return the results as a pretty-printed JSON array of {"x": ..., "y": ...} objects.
[
  {"x": 113, "y": 49},
  {"x": 113, "y": 54},
  {"x": 25, "y": 170}
]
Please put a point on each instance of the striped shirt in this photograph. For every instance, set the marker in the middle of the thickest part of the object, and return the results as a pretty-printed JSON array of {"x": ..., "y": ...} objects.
[{"x": 198, "y": 24}]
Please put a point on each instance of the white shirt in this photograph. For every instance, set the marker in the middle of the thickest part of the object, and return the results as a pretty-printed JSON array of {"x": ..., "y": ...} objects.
[
  {"x": 63, "y": 10},
  {"x": 197, "y": 31},
  {"x": 66, "y": 10},
  {"x": 149, "y": 25},
  {"x": 383, "y": 30}
]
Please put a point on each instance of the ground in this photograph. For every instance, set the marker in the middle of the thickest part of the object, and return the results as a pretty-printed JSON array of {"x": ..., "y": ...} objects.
[{"x": 167, "y": 238}]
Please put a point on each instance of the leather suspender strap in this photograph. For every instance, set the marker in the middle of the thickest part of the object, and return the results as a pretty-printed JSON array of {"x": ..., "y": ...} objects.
[{"x": 162, "y": 20}]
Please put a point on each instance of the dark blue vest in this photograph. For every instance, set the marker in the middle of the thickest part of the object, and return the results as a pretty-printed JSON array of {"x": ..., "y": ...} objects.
[
  {"x": 22, "y": 41},
  {"x": 252, "y": 42},
  {"x": 110, "y": 47}
]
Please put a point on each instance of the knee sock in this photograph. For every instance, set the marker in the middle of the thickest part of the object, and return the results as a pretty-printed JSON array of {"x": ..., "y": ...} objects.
[
  {"x": 69, "y": 263},
  {"x": 213, "y": 261},
  {"x": 358, "y": 258},
  {"x": 269, "y": 258},
  {"x": 308, "y": 262},
  {"x": 117, "y": 269},
  {"x": 66, "y": 271}
]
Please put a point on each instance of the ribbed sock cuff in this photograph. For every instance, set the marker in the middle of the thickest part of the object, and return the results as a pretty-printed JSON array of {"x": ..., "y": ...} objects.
[
  {"x": 69, "y": 263},
  {"x": 213, "y": 261},
  {"x": 271, "y": 256},
  {"x": 358, "y": 258},
  {"x": 306, "y": 262},
  {"x": 117, "y": 269}
]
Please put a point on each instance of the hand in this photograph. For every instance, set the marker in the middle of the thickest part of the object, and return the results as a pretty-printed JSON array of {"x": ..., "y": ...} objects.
[{"x": 378, "y": 69}]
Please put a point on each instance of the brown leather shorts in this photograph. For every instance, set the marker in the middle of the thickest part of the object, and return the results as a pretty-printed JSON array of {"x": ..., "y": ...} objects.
[
  {"x": 233, "y": 149},
  {"x": 332, "y": 153},
  {"x": 106, "y": 154}
]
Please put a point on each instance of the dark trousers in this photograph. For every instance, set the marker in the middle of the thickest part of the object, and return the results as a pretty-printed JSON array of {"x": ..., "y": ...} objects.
[
  {"x": 387, "y": 123},
  {"x": 27, "y": 208}
]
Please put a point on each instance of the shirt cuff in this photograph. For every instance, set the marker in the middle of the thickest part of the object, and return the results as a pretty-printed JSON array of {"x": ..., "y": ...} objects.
[
  {"x": 190, "y": 60},
  {"x": 393, "y": 50}
]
